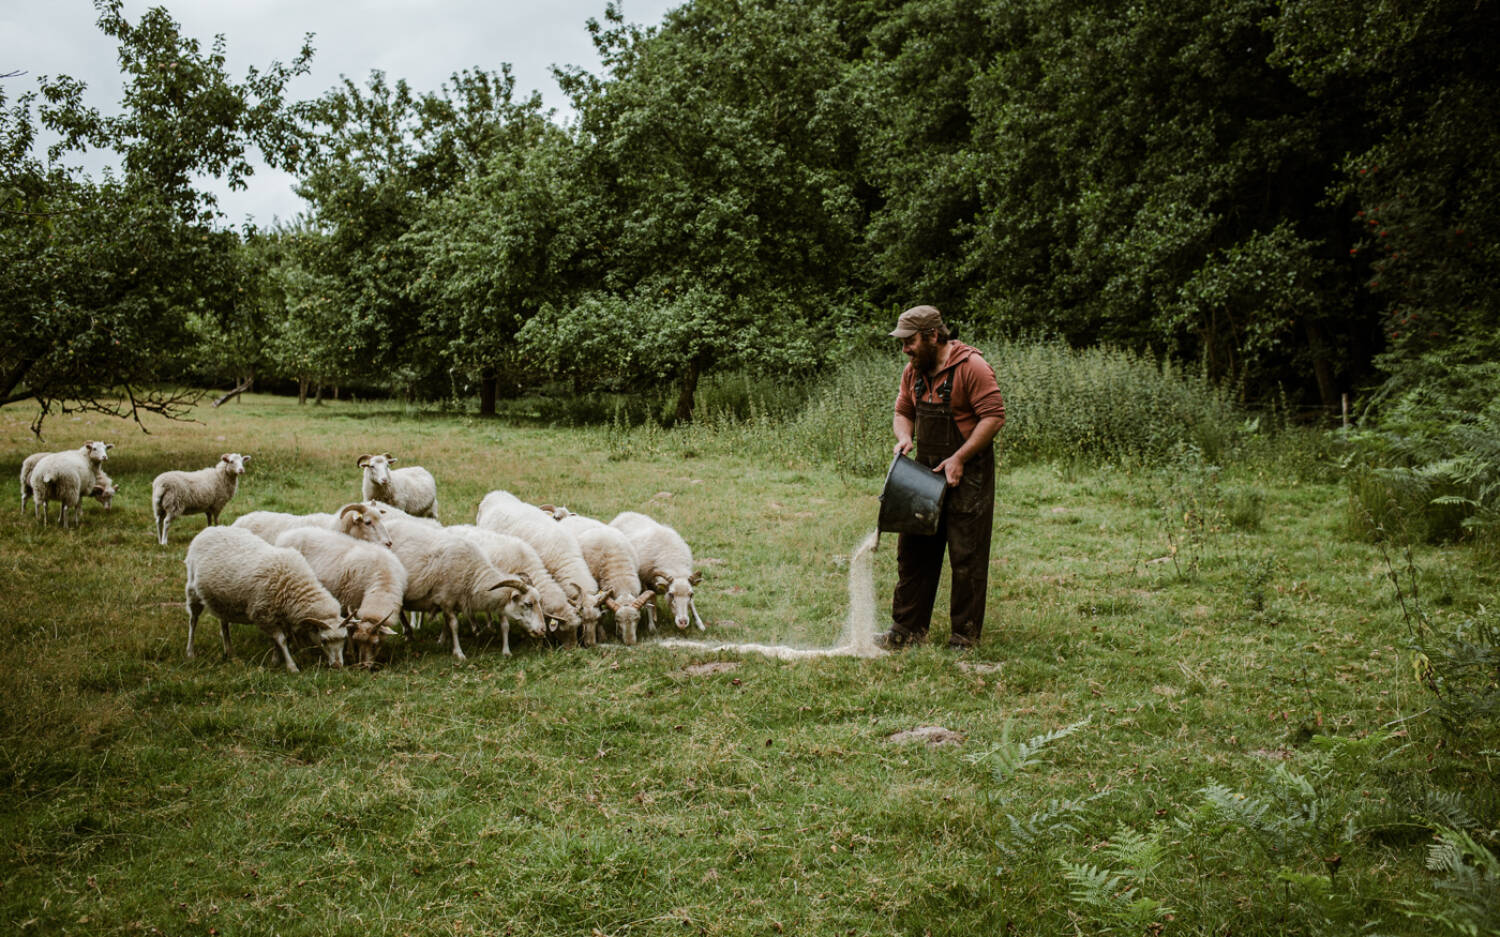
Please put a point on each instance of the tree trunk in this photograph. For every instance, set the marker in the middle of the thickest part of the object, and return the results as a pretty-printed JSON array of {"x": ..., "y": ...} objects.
[
  {"x": 1322, "y": 366},
  {"x": 302, "y": 383},
  {"x": 687, "y": 390},
  {"x": 487, "y": 386},
  {"x": 318, "y": 395}
]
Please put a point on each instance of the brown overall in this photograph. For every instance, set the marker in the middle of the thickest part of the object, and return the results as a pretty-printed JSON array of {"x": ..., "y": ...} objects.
[{"x": 964, "y": 529}]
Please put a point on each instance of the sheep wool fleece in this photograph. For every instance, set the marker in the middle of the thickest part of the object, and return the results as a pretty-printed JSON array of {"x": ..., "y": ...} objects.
[{"x": 945, "y": 410}]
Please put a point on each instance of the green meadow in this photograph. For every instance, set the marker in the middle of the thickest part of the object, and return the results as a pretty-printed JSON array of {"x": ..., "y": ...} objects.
[{"x": 1201, "y": 705}]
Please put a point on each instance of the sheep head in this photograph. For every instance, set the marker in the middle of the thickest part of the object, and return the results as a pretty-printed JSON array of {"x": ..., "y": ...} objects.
[
  {"x": 519, "y": 602},
  {"x": 97, "y": 451},
  {"x": 362, "y": 522},
  {"x": 679, "y": 593},
  {"x": 332, "y": 637},
  {"x": 377, "y": 467},
  {"x": 366, "y": 637},
  {"x": 233, "y": 463}
]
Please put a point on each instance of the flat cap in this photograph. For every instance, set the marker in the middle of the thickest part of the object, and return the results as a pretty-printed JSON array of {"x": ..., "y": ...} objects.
[{"x": 918, "y": 319}]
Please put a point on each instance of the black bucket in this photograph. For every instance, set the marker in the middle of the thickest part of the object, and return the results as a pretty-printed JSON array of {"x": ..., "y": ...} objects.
[{"x": 912, "y": 502}]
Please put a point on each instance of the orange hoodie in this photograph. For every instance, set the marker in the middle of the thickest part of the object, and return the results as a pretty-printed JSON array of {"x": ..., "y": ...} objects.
[{"x": 973, "y": 395}]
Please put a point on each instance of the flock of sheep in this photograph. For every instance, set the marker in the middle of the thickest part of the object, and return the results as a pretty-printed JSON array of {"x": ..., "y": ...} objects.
[{"x": 343, "y": 579}]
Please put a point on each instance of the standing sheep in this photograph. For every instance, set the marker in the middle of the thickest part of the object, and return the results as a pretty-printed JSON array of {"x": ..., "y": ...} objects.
[
  {"x": 666, "y": 564},
  {"x": 504, "y": 513},
  {"x": 364, "y": 577},
  {"x": 518, "y": 556},
  {"x": 448, "y": 574},
  {"x": 241, "y": 578},
  {"x": 175, "y": 494},
  {"x": 614, "y": 564},
  {"x": 66, "y": 477},
  {"x": 356, "y": 519},
  {"x": 411, "y": 489}
]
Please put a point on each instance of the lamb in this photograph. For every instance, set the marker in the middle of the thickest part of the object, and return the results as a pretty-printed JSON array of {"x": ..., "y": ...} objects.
[
  {"x": 241, "y": 578},
  {"x": 666, "y": 564},
  {"x": 206, "y": 491},
  {"x": 412, "y": 489},
  {"x": 356, "y": 519},
  {"x": 520, "y": 557},
  {"x": 614, "y": 564},
  {"x": 66, "y": 477},
  {"x": 504, "y": 513},
  {"x": 449, "y": 574},
  {"x": 365, "y": 577}
]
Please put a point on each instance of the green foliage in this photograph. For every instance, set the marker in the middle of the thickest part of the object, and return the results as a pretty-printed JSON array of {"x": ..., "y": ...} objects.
[
  {"x": 1113, "y": 898},
  {"x": 1009, "y": 758},
  {"x": 1465, "y": 899}
]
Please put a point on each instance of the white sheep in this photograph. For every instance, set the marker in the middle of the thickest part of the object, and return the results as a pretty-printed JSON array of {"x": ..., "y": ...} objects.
[
  {"x": 205, "y": 491},
  {"x": 411, "y": 489},
  {"x": 666, "y": 564},
  {"x": 66, "y": 477},
  {"x": 365, "y": 577},
  {"x": 240, "y": 578},
  {"x": 356, "y": 519},
  {"x": 518, "y": 556},
  {"x": 449, "y": 574},
  {"x": 504, "y": 513},
  {"x": 613, "y": 561}
]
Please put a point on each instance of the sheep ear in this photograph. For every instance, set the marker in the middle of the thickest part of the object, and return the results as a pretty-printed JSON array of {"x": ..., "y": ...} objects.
[
  {"x": 364, "y": 461},
  {"x": 244, "y": 458},
  {"x": 695, "y": 578},
  {"x": 108, "y": 446},
  {"x": 224, "y": 457},
  {"x": 660, "y": 585},
  {"x": 390, "y": 458}
]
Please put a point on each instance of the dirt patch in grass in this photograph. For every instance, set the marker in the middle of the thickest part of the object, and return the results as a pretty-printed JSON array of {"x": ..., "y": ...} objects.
[
  {"x": 710, "y": 668},
  {"x": 931, "y": 735}
]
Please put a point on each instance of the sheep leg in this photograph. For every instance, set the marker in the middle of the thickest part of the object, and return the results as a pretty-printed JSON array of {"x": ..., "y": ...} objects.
[
  {"x": 161, "y": 528},
  {"x": 452, "y": 620},
  {"x": 224, "y": 636},
  {"x": 194, "y": 609},
  {"x": 406, "y": 628},
  {"x": 651, "y": 615},
  {"x": 280, "y": 638},
  {"x": 505, "y": 635}
]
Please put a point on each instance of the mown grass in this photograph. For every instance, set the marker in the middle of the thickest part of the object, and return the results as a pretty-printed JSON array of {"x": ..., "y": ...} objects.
[{"x": 1205, "y": 625}]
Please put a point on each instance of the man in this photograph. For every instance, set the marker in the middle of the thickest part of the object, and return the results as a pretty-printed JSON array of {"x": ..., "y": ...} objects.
[{"x": 950, "y": 408}]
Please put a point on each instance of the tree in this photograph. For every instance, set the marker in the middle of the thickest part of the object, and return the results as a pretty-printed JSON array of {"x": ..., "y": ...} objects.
[{"x": 101, "y": 280}]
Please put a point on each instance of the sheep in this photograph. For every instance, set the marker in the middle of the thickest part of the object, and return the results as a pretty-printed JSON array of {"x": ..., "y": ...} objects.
[
  {"x": 447, "y": 573},
  {"x": 613, "y": 562},
  {"x": 356, "y": 519},
  {"x": 520, "y": 557},
  {"x": 412, "y": 489},
  {"x": 241, "y": 578},
  {"x": 66, "y": 477},
  {"x": 206, "y": 491},
  {"x": 364, "y": 577},
  {"x": 666, "y": 564},
  {"x": 504, "y": 513}
]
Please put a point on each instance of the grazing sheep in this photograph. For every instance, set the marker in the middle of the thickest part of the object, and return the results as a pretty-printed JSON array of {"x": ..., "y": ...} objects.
[
  {"x": 666, "y": 564},
  {"x": 241, "y": 578},
  {"x": 614, "y": 564},
  {"x": 504, "y": 513},
  {"x": 104, "y": 490},
  {"x": 412, "y": 489},
  {"x": 364, "y": 577},
  {"x": 66, "y": 477},
  {"x": 518, "y": 556},
  {"x": 449, "y": 574},
  {"x": 356, "y": 519},
  {"x": 206, "y": 491}
]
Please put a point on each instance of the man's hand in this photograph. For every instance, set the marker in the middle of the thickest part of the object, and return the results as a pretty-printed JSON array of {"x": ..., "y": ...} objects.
[
  {"x": 952, "y": 468},
  {"x": 903, "y": 446}
]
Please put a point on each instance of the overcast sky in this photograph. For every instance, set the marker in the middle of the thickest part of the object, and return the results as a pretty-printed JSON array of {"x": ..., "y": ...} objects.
[{"x": 422, "y": 41}]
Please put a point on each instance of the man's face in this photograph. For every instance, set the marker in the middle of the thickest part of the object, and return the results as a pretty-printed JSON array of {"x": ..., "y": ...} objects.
[{"x": 922, "y": 349}]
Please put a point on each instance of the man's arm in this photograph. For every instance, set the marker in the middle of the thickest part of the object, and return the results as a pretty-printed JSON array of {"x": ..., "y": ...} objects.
[
  {"x": 902, "y": 426},
  {"x": 953, "y": 466}
]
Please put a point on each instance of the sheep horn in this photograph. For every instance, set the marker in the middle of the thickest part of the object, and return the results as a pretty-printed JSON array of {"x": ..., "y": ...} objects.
[
  {"x": 363, "y": 462},
  {"x": 640, "y": 601},
  {"x": 695, "y": 578},
  {"x": 511, "y": 582},
  {"x": 611, "y": 603}
]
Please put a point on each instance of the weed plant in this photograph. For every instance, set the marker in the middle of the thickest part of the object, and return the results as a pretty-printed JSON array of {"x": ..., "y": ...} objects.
[{"x": 655, "y": 790}]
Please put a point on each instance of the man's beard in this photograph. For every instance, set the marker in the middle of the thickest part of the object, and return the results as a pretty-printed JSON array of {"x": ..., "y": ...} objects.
[{"x": 924, "y": 357}]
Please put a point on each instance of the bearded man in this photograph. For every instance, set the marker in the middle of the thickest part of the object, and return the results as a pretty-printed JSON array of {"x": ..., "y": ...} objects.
[{"x": 949, "y": 408}]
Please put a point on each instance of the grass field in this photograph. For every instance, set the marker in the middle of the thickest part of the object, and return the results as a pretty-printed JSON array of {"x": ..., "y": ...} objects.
[{"x": 1192, "y": 712}]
